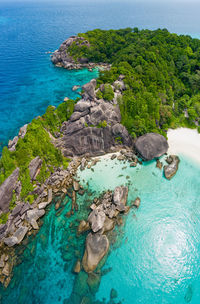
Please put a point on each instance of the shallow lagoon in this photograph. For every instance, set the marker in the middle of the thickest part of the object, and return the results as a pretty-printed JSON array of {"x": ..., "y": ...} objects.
[{"x": 156, "y": 258}]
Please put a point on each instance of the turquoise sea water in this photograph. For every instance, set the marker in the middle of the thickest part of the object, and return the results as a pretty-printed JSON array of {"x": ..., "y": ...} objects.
[{"x": 156, "y": 258}]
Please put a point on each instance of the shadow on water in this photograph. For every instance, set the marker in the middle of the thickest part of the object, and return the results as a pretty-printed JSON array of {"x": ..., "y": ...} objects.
[{"x": 189, "y": 294}]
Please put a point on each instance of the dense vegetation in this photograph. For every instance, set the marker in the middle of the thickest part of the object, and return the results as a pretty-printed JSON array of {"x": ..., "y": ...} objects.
[
  {"x": 162, "y": 80},
  {"x": 162, "y": 76},
  {"x": 37, "y": 142}
]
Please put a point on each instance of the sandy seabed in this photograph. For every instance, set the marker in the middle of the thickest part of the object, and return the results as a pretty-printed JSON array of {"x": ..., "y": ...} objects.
[{"x": 184, "y": 141}]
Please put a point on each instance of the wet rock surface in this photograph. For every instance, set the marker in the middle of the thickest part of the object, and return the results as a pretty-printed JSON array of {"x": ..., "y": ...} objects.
[
  {"x": 151, "y": 145},
  {"x": 97, "y": 246},
  {"x": 172, "y": 167},
  {"x": 102, "y": 220}
]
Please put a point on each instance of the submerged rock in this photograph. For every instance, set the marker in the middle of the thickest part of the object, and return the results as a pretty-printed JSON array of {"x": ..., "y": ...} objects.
[
  {"x": 171, "y": 169},
  {"x": 189, "y": 294},
  {"x": 83, "y": 226},
  {"x": 77, "y": 267},
  {"x": 97, "y": 246},
  {"x": 94, "y": 282},
  {"x": 151, "y": 145},
  {"x": 137, "y": 202},
  {"x": 113, "y": 294}
]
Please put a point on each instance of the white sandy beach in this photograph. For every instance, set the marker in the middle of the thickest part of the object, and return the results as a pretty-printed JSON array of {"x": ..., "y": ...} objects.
[{"x": 184, "y": 141}]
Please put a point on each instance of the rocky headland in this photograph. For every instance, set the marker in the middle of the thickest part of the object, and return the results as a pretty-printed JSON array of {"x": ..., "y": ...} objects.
[
  {"x": 94, "y": 128},
  {"x": 63, "y": 58}
]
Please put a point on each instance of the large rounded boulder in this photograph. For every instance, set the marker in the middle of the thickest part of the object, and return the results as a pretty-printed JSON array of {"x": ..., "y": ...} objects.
[
  {"x": 151, "y": 145},
  {"x": 96, "y": 248}
]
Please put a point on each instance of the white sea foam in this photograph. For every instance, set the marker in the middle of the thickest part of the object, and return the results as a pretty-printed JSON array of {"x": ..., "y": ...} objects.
[{"x": 184, "y": 141}]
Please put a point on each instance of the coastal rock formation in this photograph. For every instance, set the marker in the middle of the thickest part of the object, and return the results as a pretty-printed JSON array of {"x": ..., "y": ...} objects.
[
  {"x": 93, "y": 127},
  {"x": 6, "y": 190},
  {"x": 97, "y": 246},
  {"x": 172, "y": 167},
  {"x": 137, "y": 202},
  {"x": 151, "y": 145},
  {"x": 97, "y": 219},
  {"x": 89, "y": 90},
  {"x": 33, "y": 215},
  {"x": 62, "y": 58},
  {"x": 12, "y": 143},
  {"x": 120, "y": 196},
  {"x": 102, "y": 219},
  {"x": 17, "y": 237},
  {"x": 82, "y": 227},
  {"x": 34, "y": 167}
]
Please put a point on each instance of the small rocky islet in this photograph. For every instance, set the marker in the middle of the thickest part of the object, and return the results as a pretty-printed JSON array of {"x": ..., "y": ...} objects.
[{"x": 94, "y": 128}]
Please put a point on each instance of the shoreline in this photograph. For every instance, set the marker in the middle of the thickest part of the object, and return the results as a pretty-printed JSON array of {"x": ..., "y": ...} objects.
[{"x": 184, "y": 141}]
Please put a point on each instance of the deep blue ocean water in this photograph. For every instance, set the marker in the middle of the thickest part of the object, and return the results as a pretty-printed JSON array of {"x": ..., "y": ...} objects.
[
  {"x": 157, "y": 260},
  {"x": 28, "y": 80}
]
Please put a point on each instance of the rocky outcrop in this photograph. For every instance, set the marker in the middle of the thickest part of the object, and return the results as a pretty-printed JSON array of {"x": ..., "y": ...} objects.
[
  {"x": 83, "y": 227},
  {"x": 96, "y": 219},
  {"x": 97, "y": 246},
  {"x": 137, "y": 202},
  {"x": 34, "y": 167},
  {"x": 62, "y": 58},
  {"x": 6, "y": 190},
  {"x": 172, "y": 167},
  {"x": 102, "y": 219},
  {"x": 24, "y": 217},
  {"x": 151, "y": 145},
  {"x": 27, "y": 215},
  {"x": 89, "y": 90},
  {"x": 33, "y": 215},
  {"x": 17, "y": 237},
  {"x": 12, "y": 143},
  {"x": 93, "y": 127},
  {"x": 120, "y": 197}
]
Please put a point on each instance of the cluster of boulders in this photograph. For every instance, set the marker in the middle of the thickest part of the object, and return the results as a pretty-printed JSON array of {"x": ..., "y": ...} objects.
[
  {"x": 93, "y": 127},
  {"x": 23, "y": 219},
  {"x": 106, "y": 213},
  {"x": 102, "y": 219},
  {"x": 172, "y": 167},
  {"x": 7, "y": 260},
  {"x": 62, "y": 57},
  {"x": 126, "y": 155}
]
